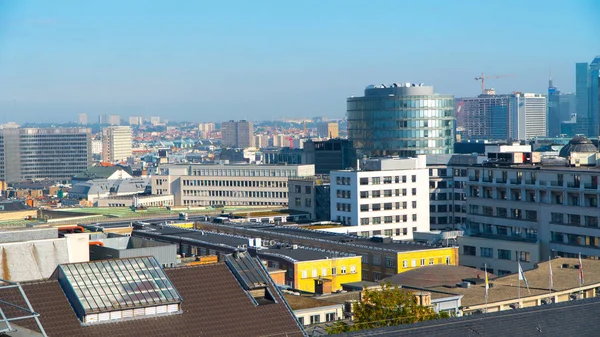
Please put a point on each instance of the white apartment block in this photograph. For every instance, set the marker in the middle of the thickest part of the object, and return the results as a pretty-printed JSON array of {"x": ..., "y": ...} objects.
[
  {"x": 387, "y": 196},
  {"x": 227, "y": 184},
  {"x": 116, "y": 143},
  {"x": 527, "y": 116},
  {"x": 528, "y": 211}
]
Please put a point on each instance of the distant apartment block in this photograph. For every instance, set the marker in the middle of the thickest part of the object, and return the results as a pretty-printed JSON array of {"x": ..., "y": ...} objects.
[
  {"x": 206, "y": 129},
  {"x": 135, "y": 120},
  {"x": 237, "y": 134},
  {"x": 83, "y": 119},
  {"x": 328, "y": 129},
  {"x": 228, "y": 184},
  {"x": 387, "y": 196},
  {"x": 53, "y": 153},
  {"x": 311, "y": 195},
  {"x": 116, "y": 143}
]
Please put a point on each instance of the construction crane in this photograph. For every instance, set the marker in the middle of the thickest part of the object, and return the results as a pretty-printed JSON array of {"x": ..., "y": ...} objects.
[
  {"x": 483, "y": 77},
  {"x": 291, "y": 140}
]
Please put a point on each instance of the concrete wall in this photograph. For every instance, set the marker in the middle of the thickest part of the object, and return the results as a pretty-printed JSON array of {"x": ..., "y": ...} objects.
[
  {"x": 33, "y": 260},
  {"x": 28, "y": 234},
  {"x": 17, "y": 215}
]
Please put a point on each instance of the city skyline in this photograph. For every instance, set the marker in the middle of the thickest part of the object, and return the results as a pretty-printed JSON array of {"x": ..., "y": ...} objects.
[{"x": 263, "y": 60}]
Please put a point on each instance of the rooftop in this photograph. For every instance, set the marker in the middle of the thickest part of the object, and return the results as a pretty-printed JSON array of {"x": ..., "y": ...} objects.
[
  {"x": 436, "y": 275},
  {"x": 505, "y": 287},
  {"x": 304, "y": 302},
  {"x": 214, "y": 304},
  {"x": 302, "y": 253}
]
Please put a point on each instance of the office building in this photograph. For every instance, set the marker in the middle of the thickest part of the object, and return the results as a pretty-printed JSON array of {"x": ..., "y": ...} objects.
[
  {"x": 228, "y": 184},
  {"x": 311, "y": 195},
  {"x": 83, "y": 119},
  {"x": 37, "y": 154},
  {"x": 486, "y": 117},
  {"x": 330, "y": 155},
  {"x": 447, "y": 189},
  {"x": 261, "y": 141},
  {"x": 401, "y": 119},
  {"x": 283, "y": 155},
  {"x": 155, "y": 120},
  {"x": 587, "y": 97},
  {"x": 237, "y": 134},
  {"x": 387, "y": 196},
  {"x": 116, "y": 143},
  {"x": 523, "y": 207},
  {"x": 594, "y": 96},
  {"x": 553, "y": 118},
  {"x": 527, "y": 116},
  {"x": 328, "y": 129}
]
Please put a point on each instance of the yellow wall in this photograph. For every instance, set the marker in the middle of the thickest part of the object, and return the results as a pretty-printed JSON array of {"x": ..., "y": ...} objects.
[
  {"x": 308, "y": 283},
  {"x": 438, "y": 255}
]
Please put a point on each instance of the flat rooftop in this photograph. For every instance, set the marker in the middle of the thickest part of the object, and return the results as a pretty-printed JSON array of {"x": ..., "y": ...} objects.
[
  {"x": 291, "y": 232},
  {"x": 303, "y": 254}
]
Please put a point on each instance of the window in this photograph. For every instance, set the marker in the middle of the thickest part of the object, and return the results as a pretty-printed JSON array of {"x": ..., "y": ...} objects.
[
  {"x": 364, "y": 181},
  {"x": 376, "y": 276},
  {"x": 343, "y": 270},
  {"x": 375, "y": 194},
  {"x": 314, "y": 319},
  {"x": 431, "y": 261},
  {"x": 503, "y": 254},
  {"x": 333, "y": 271},
  {"x": 364, "y": 208},
  {"x": 307, "y": 189},
  {"x": 405, "y": 264},
  {"x": 414, "y": 204},
  {"x": 388, "y": 219},
  {"x": 387, "y": 206},
  {"x": 376, "y": 207},
  {"x": 414, "y": 191},
  {"x": 414, "y": 217},
  {"x": 376, "y": 220},
  {"x": 364, "y": 194},
  {"x": 503, "y": 272},
  {"x": 486, "y": 252},
  {"x": 314, "y": 273},
  {"x": 524, "y": 256},
  {"x": 469, "y": 250},
  {"x": 376, "y": 260},
  {"x": 387, "y": 180},
  {"x": 422, "y": 262},
  {"x": 387, "y": 193},
  {"x": 364, "y": 221},
  {"x": 330, "y": 316},
  {"x": 413, "y": 178},
  {"x": 304, "y": 274},
  {"x": 323, "y": 271},
  {"x": 389, "y": 262},
  {"x": 298, "y": 201},
  {"x": 353, "y": 269},
  {"x": 375, "y": 180},
  {"x": 448, "y": 260},
  {"x": 404, "y": 192},
  {"x": 413, "y": 263},
  {"x": 307, "y": 202}
]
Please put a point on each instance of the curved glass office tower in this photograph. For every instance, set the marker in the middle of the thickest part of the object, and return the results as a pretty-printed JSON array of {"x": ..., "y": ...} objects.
[{"x": 401, "y": 119}]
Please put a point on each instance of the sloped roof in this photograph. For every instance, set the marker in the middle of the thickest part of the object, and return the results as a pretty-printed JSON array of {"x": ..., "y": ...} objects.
[
  {"x": 101, "y": 172},
  {"x": 578, "y": 144},
  {"x": 573, "y": 318},
  {"x": 213, "y": 304}
]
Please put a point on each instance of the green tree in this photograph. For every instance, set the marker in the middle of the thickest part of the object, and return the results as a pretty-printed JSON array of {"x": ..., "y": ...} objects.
[{"x": 387, "y": 306}]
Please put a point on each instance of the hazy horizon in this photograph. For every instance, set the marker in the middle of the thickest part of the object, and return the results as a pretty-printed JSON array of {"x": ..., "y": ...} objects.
[{"x": 264, "y": 60}]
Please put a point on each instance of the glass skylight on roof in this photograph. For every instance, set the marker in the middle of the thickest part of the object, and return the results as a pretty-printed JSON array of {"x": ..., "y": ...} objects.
[{"x": 120, "y": 285}]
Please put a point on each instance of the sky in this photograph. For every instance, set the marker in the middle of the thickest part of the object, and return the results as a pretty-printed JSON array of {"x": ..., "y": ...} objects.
[{"x": 201, "y": 60}]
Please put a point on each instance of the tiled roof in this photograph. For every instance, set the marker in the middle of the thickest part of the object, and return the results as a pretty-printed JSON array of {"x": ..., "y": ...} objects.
[
  {"x": 213, "y": 304},
  {"x": 574, "y": 318}
]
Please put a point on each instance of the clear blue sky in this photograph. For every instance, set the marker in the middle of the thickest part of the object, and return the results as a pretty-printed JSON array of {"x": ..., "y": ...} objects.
[{"x": 217, "y": 60}]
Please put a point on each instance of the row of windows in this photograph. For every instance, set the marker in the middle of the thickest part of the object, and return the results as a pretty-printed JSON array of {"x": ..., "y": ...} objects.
[
  {"x": 575, "y": 240},
  {"x": 386, "y": 232},
  {"x": 386, "y": 180},
  {"x": 574, "y": 220},
  {"x": 515, "y": 231},
  {"x": 244, "y": 172},
  {"x": 386, "y": 193},
  {"x": 234, "y": 183},
  {"x": 502, "y": 254},
  {"x": 386, "y": 206},
  {"x": 430, "y": 261},
  {"x": 334, "y": 271},
  {"x": 502, "y": 212},
  {"x": 235, "y": 194},
  {"x": 188, "y": 202},
  {"x": 376, "y": 220}
]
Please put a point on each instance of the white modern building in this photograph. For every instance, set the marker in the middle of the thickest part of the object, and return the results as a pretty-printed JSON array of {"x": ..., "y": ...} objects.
[
  {"x": 523, "y": 207},
  {"x": 387, "y": 196},
  {"x": 116, "y": 143},
  {"x": 527, "y": 115},
  {"x": 227, "y": 184}
]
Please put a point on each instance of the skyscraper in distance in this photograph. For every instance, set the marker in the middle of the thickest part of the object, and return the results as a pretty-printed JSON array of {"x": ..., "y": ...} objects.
[
  {"x": 553, "y": 117},
  {"x": 328, "y": 129},
  {"x": 237, "y": 134},
  {"x": 402, "y": 119}
]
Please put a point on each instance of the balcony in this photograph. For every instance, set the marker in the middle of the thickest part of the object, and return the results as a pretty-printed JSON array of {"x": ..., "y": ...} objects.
[
  {"x": 515, "y": 181},
  {"x": 556, "y": 183},
  {"x": 500, "y": 181},
  {"x": 473, "y": 178},
  {"x": 573, "y": 185},
  {"x": 530, "y": 182},
  {"x": 487, "y": 179},
  {"x": 590, "y": 186}
]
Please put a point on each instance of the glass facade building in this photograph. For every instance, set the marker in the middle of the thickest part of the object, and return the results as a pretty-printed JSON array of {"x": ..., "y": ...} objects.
[{"x": 401, "y": 120}]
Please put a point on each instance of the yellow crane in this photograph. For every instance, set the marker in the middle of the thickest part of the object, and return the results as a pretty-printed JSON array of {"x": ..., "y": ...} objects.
[{"x": 483, "y": 77}]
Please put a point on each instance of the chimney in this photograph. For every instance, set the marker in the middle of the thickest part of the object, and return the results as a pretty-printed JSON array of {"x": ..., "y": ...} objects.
[
  {"x": 322, "y": 287},
  {"x": 423, "y": 298}
]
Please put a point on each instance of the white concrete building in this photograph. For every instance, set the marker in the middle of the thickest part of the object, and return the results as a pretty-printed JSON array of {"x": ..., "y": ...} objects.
[
  {"x": 116, "y": 143},
  {"x": 387, "y": 196},
  {"x": 527, "y": 116},
  {"x": 96, "y": 146},
  {"x": 227, "y": 184}
]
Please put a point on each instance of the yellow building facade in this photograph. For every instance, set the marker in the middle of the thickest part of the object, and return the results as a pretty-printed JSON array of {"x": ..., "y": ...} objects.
[
  {"x": 427, "y": 257},
  {"x": 338, "y": 269}
]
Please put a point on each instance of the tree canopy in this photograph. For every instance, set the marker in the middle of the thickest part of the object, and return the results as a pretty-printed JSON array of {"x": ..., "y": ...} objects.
[{"x": 387, "y": 306}]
